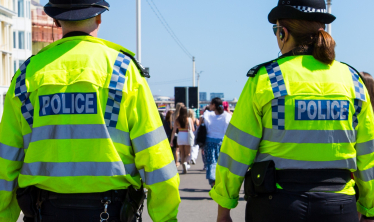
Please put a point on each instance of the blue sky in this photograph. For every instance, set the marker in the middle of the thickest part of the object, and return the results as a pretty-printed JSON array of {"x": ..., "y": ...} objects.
[{"x": 226, "y": 37}]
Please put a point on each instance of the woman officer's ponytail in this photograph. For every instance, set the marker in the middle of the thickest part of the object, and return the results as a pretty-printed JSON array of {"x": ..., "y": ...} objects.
[{"x": 311, "y": 34}]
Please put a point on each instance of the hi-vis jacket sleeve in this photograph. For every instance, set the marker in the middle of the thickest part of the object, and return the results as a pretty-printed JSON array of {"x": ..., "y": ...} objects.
[
  {"x": 11, "y": 155},
  {"x": 239, "y": 148},
  {"x": 364, "y": 176},
  {"x": 153, "y": 157}
]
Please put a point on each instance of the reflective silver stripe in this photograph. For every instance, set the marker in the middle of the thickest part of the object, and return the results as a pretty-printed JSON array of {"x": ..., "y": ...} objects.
[
  {"x": 11, "y": 153},
  {"x": 234, "y": 166},
  {"x": 26, "y": 140},
  {"x": 8, "y": 185},
  {"x": 89, "y": 131},
  {"x": 365, "y": 175},
  {"x": 242, "y": 138},
  {"x": 157, "y": 176},
  {"x": 119, "y": 136},
  {"x": 149, "y": 139},
  {"x": 67, "y": 169},
  {"x": 309, "y": 136},
  {"x": 131, "y": 169},
  {"x": 365, "y": 148},
  {"x": 281, "y": 163}
]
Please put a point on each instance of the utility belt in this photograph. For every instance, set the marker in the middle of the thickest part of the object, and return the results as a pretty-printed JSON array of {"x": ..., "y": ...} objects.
[
  {"x": 263, "y": 177},
  {"x": 30, "y": 200}
]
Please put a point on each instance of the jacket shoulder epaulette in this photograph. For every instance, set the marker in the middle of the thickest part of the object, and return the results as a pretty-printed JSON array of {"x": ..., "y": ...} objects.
[
  {"x": 252, "y": 72},
  {"x": 143, "y": 71},
  {"x": 358, "y": 73}
]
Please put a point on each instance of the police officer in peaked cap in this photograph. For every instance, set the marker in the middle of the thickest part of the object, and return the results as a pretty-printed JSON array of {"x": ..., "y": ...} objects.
[
  {"x": 303, "y": 125},
  {"x": 80, "y": 136}
]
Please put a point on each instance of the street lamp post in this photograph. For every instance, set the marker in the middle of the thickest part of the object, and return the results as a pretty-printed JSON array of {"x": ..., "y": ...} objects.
[
  {"x": 329, "y": 3},
  {"x": 198, "y": 89}
]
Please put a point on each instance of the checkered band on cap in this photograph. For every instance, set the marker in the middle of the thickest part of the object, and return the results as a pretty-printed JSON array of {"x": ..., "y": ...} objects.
[
  {"x": 358, "y": 108},
  {"x": 20, "y": 91},
  {"x": 276, "y": 80},
  {"x": 309, "y": 9},
  {"x": 278, "y": 113},
  {"x": 359, "y": 87},
  {"x": 116, "y": 85}
]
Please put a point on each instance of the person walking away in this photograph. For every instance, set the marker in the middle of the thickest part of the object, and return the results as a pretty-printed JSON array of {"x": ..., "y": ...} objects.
[
  {"x": 226, "y": 107},
  {"x": 194, "y": 147},
  {"x": 175, "y": 140},
  {"x": 167, "y": 128},
  {"x": 183, "y": 123},
  {"x": 305, "y": 118},
  {"x": 80, "y": 128},
  {"x": 216, "y": 121}
]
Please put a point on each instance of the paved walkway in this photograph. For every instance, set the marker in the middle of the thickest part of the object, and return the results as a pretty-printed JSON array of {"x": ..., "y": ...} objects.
[{"x": 196, "y": 205}]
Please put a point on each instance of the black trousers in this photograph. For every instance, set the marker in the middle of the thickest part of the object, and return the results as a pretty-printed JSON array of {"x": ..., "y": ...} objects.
[
  {"x": 286, "y": 206},
  {"x": 53, "y": 212}
]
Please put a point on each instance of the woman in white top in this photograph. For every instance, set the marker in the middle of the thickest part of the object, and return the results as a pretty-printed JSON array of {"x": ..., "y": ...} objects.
[
  {"x": 216, "y": 121},
  {"x": 183, "y": 124}
]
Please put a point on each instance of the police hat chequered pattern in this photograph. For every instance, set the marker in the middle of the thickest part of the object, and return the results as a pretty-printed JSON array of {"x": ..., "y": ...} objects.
[
  {"x": 309, "y": 9},
  {"x": 359, "y": 87},
  {"x": 116, "y": 85},
  {"x": 20, "y": 91},
  {"x": 358, "y": 108},
  {"x": 276, "y": 79},
  {"x": 278, "y": 113}
]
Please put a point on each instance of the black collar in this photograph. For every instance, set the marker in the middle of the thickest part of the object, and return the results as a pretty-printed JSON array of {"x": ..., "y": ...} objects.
[{"x": 75, "y": 33}]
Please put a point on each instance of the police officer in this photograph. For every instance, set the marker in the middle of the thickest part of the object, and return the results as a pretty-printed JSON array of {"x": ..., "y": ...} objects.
[
  {"x": 80, "y": 127},
  {"x": 302, "y": 125}
]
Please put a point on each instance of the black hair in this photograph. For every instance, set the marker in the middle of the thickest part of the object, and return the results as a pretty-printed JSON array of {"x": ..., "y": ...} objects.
[{"x": 218, "y": 103}]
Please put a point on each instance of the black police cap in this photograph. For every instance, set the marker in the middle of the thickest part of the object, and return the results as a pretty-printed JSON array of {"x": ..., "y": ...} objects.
[
  {"x": 75, "y": 10},
  {"x": 310, "y": 10}
]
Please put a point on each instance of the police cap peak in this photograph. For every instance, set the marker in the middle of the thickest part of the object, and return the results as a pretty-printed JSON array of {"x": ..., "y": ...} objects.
[
  {"x": 310, "y": 10},
  {"x": 75, "y": 10}
]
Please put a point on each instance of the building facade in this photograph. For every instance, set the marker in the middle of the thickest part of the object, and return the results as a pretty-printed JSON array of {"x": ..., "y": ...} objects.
[
  {"x": 22, "y": 44},
  {"x": 202, "y": 96},
  {"x": 219, "y": 95},
  {"x": 43, "y": 30},
  {"x": 7, "y": 16}
]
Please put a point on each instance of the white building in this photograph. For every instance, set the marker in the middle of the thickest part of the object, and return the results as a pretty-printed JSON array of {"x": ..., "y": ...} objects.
[
  {"x": 22, "y": 41},
  {"x": 7, "y": 15}
]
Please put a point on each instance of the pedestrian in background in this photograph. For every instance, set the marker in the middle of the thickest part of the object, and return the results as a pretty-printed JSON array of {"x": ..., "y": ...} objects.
[
  {"x": 175, "y": 132},
  {"x": 226, "y": 107},
  {"x": 216, "y": 121},
  {"x": 194, "y": 147},
  {"x": 303, "y": 123},
  {"x": 168, "y": 129},
  {"x": 184, "y": 124}
]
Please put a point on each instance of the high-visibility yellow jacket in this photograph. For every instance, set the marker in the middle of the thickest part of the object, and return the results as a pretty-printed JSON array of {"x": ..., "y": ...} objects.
[
  {"x": 302, "y": 114},
  {"x": 80, "y": 118}
]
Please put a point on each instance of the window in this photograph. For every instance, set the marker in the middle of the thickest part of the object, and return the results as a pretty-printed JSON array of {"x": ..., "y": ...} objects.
[
  {"x": 20, "y": 62},
  {"x": 14, "y": 5},
  {"x": 30, "y": 41},
  {"x": 15, "y": 66},
  {"x": 21, "y": 8},
  {"x": 14, "y": 39},
  {"x": 21, "y": 39}
]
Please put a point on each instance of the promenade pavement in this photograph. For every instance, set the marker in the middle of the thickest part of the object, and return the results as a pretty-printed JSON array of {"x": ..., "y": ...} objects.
[{"x": 196, "y": 205}]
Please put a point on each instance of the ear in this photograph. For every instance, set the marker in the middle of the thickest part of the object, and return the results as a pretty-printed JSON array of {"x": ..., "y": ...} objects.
[
  {"x": 98, "y": 19},
  {"x": 286, "y": 34},
  {"x": 56, "y": 23}
]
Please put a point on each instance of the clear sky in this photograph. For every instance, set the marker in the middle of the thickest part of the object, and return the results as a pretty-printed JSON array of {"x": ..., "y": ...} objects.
[{"x": 226, "y": 37}]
